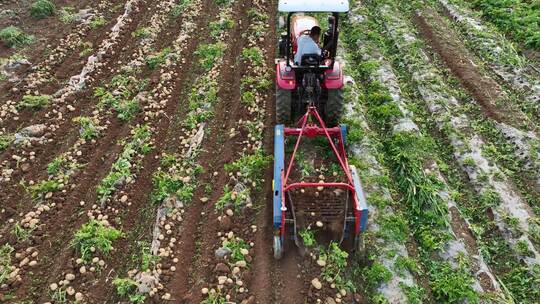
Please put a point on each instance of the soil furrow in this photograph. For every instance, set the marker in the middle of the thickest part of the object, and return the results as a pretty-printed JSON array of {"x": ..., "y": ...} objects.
[{"x": 67, "y": 134}]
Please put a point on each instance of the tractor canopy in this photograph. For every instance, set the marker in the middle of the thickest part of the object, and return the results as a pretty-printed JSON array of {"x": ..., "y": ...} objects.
[{"x": 315, "y": 6}]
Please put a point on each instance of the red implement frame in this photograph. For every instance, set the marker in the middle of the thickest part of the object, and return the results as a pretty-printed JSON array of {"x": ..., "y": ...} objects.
[{"x": 310, "y": 130}]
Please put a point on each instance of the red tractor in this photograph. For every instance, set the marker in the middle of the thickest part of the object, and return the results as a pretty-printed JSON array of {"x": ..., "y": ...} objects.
[
  {"x": 317, "y": 79},
  {"x": 309, "y": 104}
]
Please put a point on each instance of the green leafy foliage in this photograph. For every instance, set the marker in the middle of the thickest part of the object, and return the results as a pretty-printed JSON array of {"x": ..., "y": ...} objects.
[
  {"x": 97, "y": 22},
  {"x": 39, "y": 190},
  {"x": 67, "y": 14},
  {"x": 128, "y": 288},
  {"x": 142, "y": 32},
  {"x": 5, "y": 141},
  {"x": 5, "y": 262},
  {"x": 254, "y": 55},
  {"x": 179, "y": 8},
  {"x": 202, "y": 97},
  {"x": 156, "y": 60},
  {"x": 220, "y": 26},
  {"x": 123, "y": 168},
  {"x": 88, "y": 129},
  {"x": 34, "y": 102},
  {"x": 215, "y": 298},
  {"x": 308, "y": 237},
  {"x": 519, "y": 18},
  {"x": 234, "y": 198},
  {"x": 377, "y": 274},
  {"x": 59, "y": 295},
  {"x": 42, "y": 8},
  {"x": 251, "y": 166},
  {"x": 334, "y": 270},
  {"x": 21, "y": 233},
  {"x": 451, "y": 285},
  {"x": 236, "y": 245},
  {"x": 13, "y": 36},
  {"x": 94, "y": 237},
  {"x": 125, "y": 101},
  {"x": 210, "y": 54}
]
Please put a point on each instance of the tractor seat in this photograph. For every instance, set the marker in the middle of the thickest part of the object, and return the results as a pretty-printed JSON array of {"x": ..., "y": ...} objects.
[{"x": 311, "y": 60}]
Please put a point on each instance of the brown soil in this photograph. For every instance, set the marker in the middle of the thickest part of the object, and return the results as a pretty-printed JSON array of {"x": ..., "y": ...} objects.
[
  {"x": 99, "y": 157},
  {"x": 484, "y": 89},
  {"x": 67, "y": 133}
]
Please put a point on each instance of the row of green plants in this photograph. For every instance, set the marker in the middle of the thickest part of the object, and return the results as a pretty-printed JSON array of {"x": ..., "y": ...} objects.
[
  {"x": 497, "y": 52},
  {"x": 517, "y": 18},
  {"x": 459, "y": 138},
  {"x": 385, "y": 240},
  {"x": 248, "y": 168},
  {"x": 177, "y": 175},
  {"x": 487, "y": 179},
  {"x": 409, "y": 154},
  {"x": 127, "y": 164}
]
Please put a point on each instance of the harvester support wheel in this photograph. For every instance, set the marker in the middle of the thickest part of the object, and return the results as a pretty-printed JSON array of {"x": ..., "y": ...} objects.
[
  {"x": 283, "y": 106},
  {"x": 278, "y": 247},
  {"x": 359, "y": 246},
  {"x": 334, "y": 107}
]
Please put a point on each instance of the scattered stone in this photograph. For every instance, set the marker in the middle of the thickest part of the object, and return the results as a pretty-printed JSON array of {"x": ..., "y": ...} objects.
[
  {"x": 222, "y": 252},
  {"x": 221, "y": 267},
  {"x": 226, "y": 223}
]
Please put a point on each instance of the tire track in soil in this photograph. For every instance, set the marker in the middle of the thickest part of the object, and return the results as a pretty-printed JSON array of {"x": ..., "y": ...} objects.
[
  {"x": 67, "y": 133},
  {"x": 200, "y": 224},
  {"x": 290, "y": 284},
  {"x": 264, "y": 280},
  {"x": 457, "y": 58},
  {"x": 69, "y": 216}
]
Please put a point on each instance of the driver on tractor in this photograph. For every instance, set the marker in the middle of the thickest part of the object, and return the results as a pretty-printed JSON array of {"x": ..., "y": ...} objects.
[{"x": 308, "y": 44}]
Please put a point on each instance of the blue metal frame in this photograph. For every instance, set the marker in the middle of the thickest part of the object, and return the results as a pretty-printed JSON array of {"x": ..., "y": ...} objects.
[
  {"x": 344, "y": 131},
  {"x": 361, "y": 199},
  {"x": 279, "y": 164}
]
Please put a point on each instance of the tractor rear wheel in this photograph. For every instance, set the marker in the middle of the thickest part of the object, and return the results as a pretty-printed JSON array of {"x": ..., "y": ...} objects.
[
  {"x": 278, "y": 247},
  {"x": 283, "y": 106},
  {"x": 334, "y": 107}
]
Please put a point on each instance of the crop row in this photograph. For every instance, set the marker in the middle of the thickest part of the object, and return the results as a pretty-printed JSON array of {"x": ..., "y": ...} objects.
[
  {"x": 497, "y": 193},
  {"x": 176, "y": 179},
  {"x": 235, "y": 253},
  {"x": 52, "y": 119},
  {"x": 124, "y": 168},
  {"x": 85, "y": 19},
  {"x": 407, "y": 147},
  {"x": 496, "y": 51},
  {"x": 517, "y": 18},
  {"x": 113, "y": 200},
  {"x": 123, "y": 96}
]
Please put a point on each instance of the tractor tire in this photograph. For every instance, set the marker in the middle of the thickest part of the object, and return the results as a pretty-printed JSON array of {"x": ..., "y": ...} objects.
[
  {"x": 283, "y": 106},
  {"x": 334, "y": 107},
  {"x": 278, "y": 247}
]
